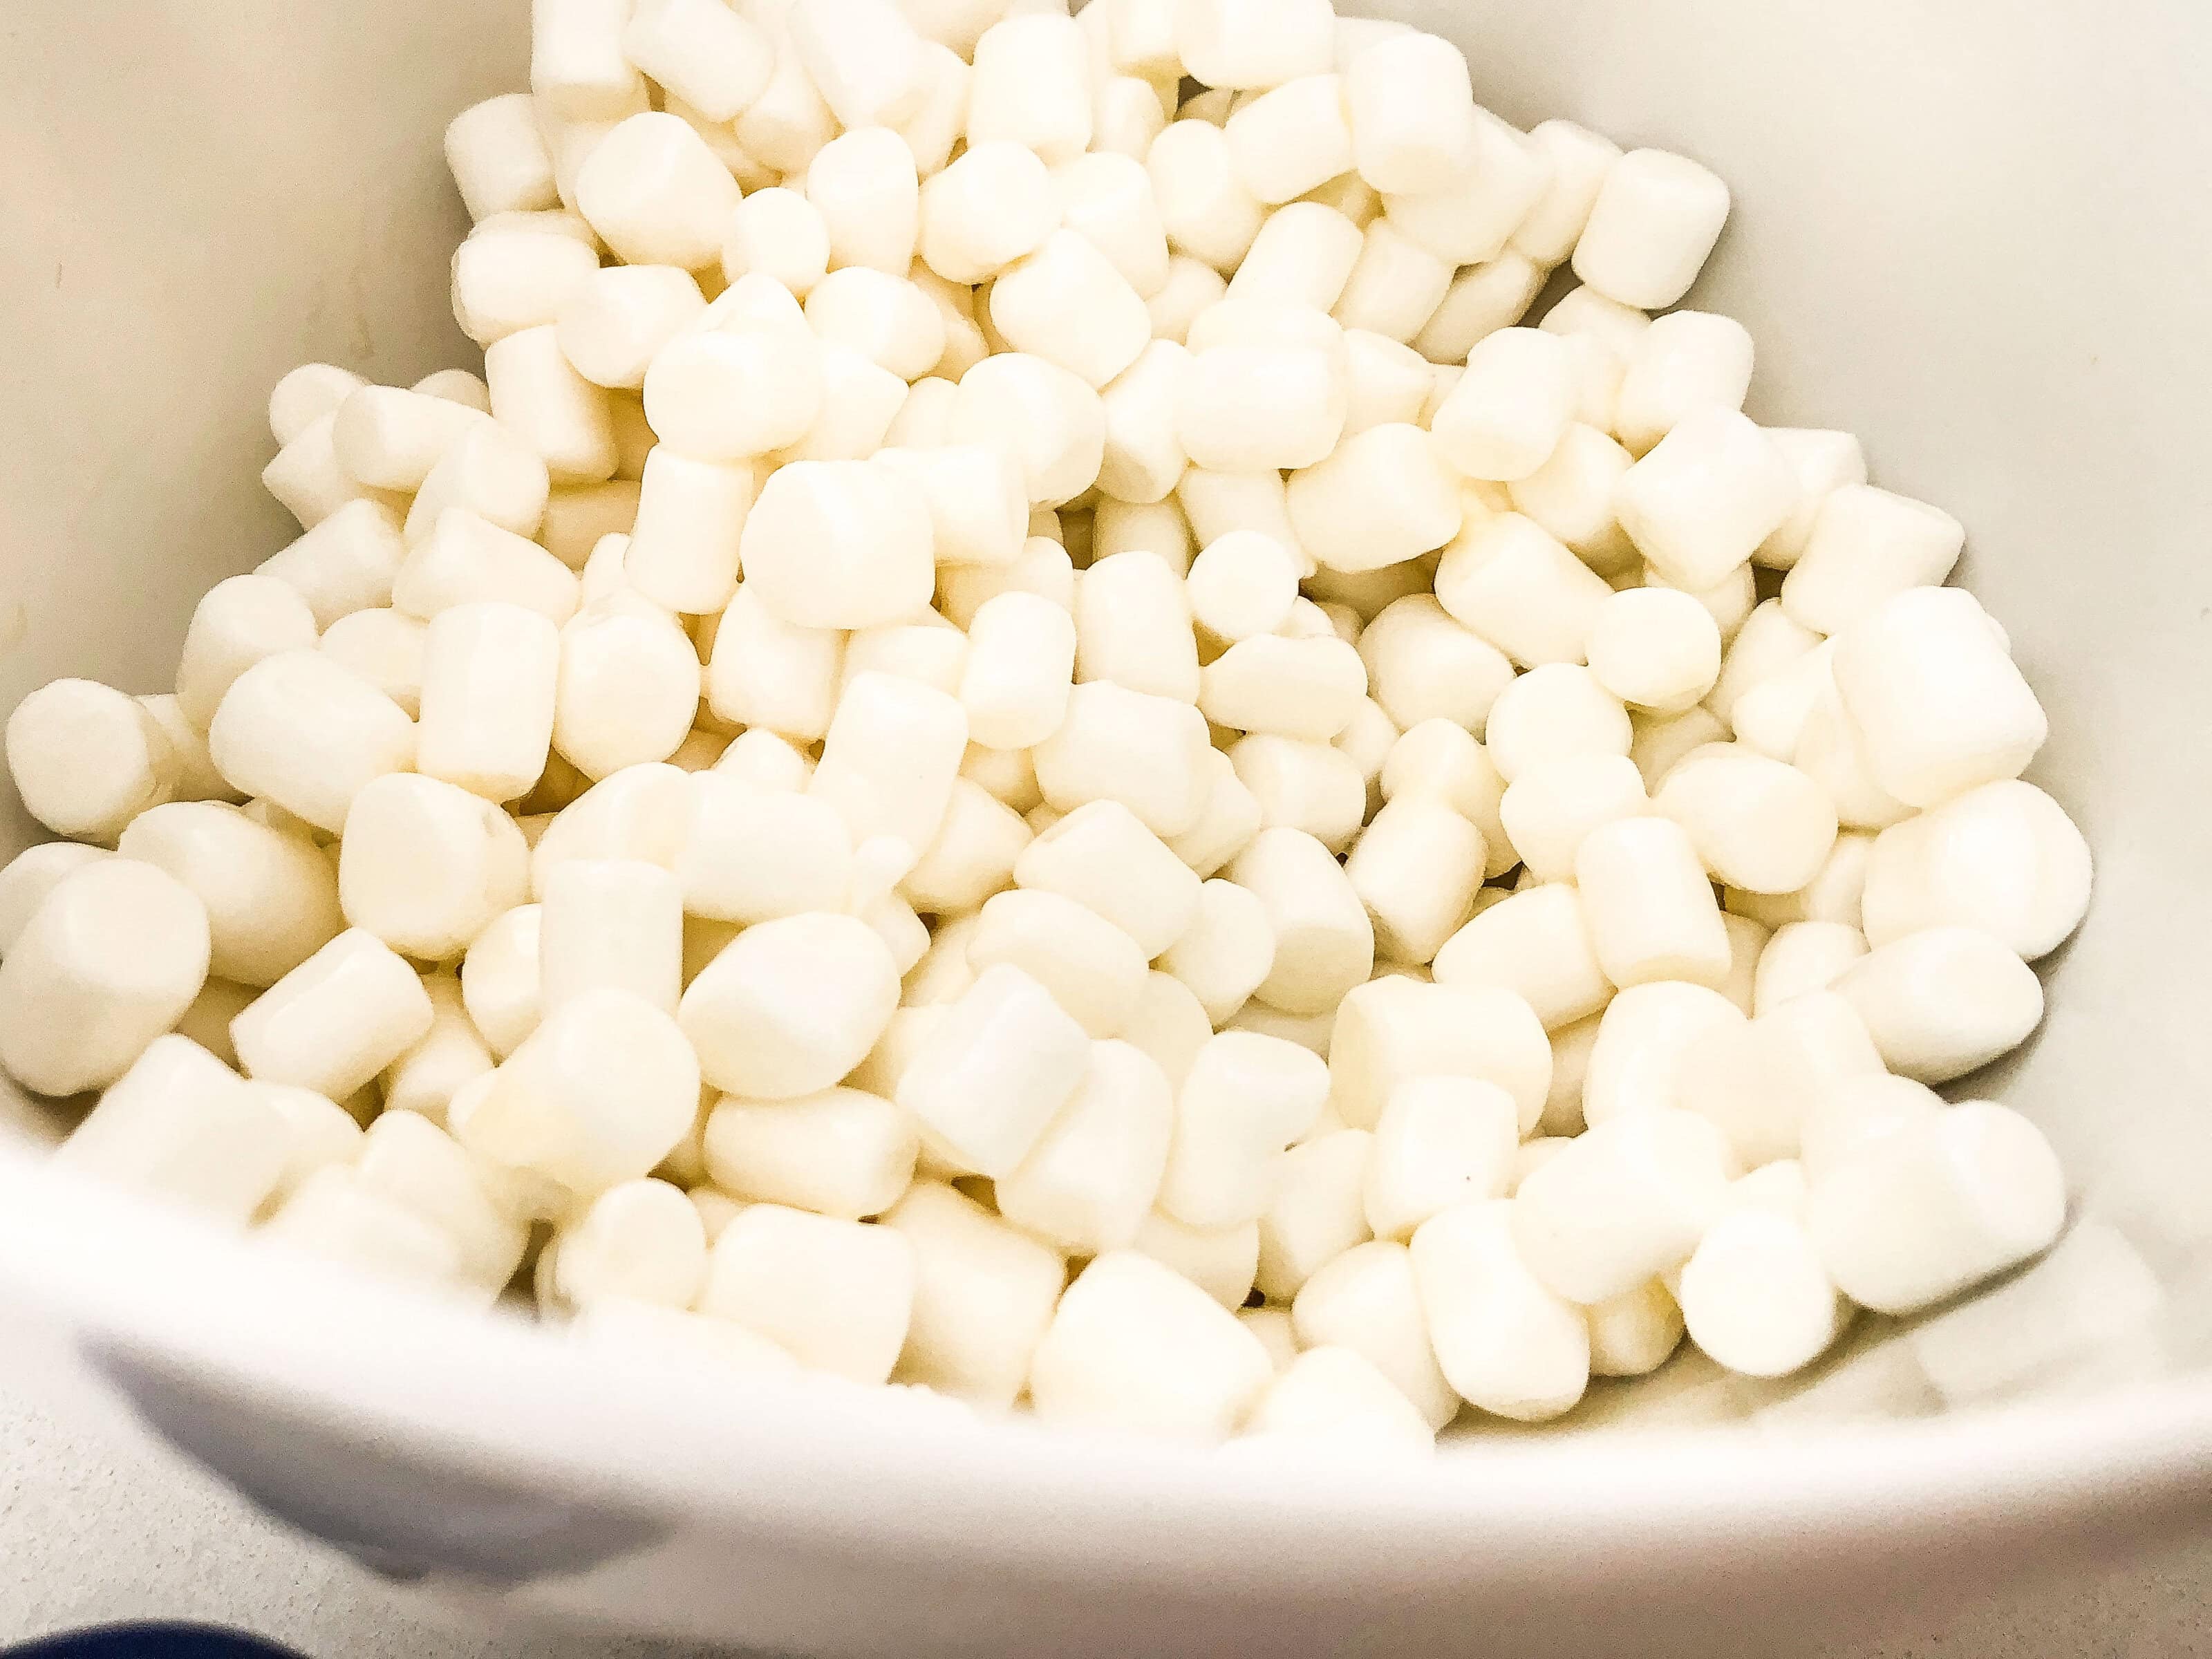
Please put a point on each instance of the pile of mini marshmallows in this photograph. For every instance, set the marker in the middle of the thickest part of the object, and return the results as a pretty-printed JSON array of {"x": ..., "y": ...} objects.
[{"x": 1021, "y": 743}]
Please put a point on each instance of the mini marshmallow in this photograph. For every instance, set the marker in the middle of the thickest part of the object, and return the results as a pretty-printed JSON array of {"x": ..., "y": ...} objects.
[
  {"x": 467, "y": 559},
  {"x": 1926, "y": 1211},
  {"x": 1801, "y": 958},
  {"x": 792, "y": 1005},
  {"x": 412, "y": 1162},
  {"x": 1535, "y": 944},
  {"x": 1381, "y": 498},
  {"x": 1144, "y": 459},
  {"x": 537, "y": 393},
  {"x": 864, "y": 56},
  {"x": 1134, "y": 1346},
  {"x": 33, "y": 873},
  {"x": 1132, "y": 628},
  {"x": 1552, "y": 806},
  {"x": 1468, "y": 220},
  {"x": 577, "y": 65},
  {"x": 712, "y": 57},
  {"x": 1865, "y": 545},
  {"x": 1511, "y": 581},
  {"x": 1760, "y": 1081},
  {"x": 888, "y": 763},
  {"x": 1440, "y": 1141},
  {"x": 638, "y": 1241},
  {"x": 491, "y": 472},
  {"x": 985, "y": 210},
  {"x": 308, "y": 482},
  {"x": 839, "y": 544},
  {"x": 1389, "y": 383},
  {"x": 1050, "y": 420},
  {"x": 1227, "y": 823},
  {"x": 994, "y": 1070},
  {"x": 517, "y": 275},
  {"x": 1333, "y": 1398},
  {"x": 1191, "y": 289},
  {"x": 108, "y": 962},
  {"x": 1246, "y": 1099},
  {"x": 972, "y": 856},
  {"x": 1756, "y": 1298},
  {"x": 301, "y": 730},
  {"x": 1090, "y": 1181},
  {"x": 499, "y": 980},
  {"x": 1554, "y": 711},
  {"x": 983, "y": 1294},
  {"x": 1216, "y": 504},
  {"x": 1101, "y": 857},
  {"x": 1304, "y": 784},
  {"x": 1031, "y": 87},
  {"x": 1292, "y": 138},
  {"x": 1317, "y": 1212},
  {"x": 1770, "y": 714},
  {"x": 1939, "y": 703},
  {"x": 937, "y": 122},
  {"x": 1685, "y": 363},
  {"x": 609, "y": 923},
  {"x": 1580, "y": 162},
  {"x": 1225, "y": 953},
  {"x": 349, "y": 562},
  {"x": 1247, "y": 408},
  {"x": 490, "y": 674},
  {"x": 1395, "y": 285},
  {"x": 724, "y": 394},
  {"x": 656, "y": 194},
  {"x": 1659, "y": 1175},
  {"x": 1422, "y": 665},
  {"x": 236, "y": 623},
  {"x": 1366, "y": 1300},
  {"x": 2004, "y": 858},
  {"x": 1412, "y": 114},
  {"x": 1146, "y": 751},
  {"x": 1943, "y": 1000},
  {"x": 1250, "y": 45},
  {"x": 1757, "y": 824},
  {"x": 335, "y": 1021},
  {"x": 1170, "y": 1026},
  {"x": 627, "y": 690},
  {"x": 1092, "y": 968},
  {"x": 1438, "y": 756},
  {"x": 1243, "y": 584},
  {"x": 777, "y": 233},
  {"x": 838, "y": 1295},
  {"x": 1108, "y": 199},
  {"x": 1507, "y": 413},
  {"x": 1832, "y": 895},
  {"x": 774, "y": 674},
  {"x": 1416, "y": 868},
  {"x": 1825, "y": 462},
  {"x": 1649, "y": 907},
  {"x": 864, "y": 185},
  {"x": 1222, "y": 1261},
  {"x": 1705, "y": 498},
  {"x": 425, "y": 867},
  {"x": 1654, "y": 647},
  {"x": 1482, "y": 299},
  {"x": 613, "y": 324},
  {"x": 304, "y": 395},
  {"x": 1506, "y": 1340},
  {"x": 87, "y": 759},
  {"x": 446, "y": 1058},
  {"x": 1208, "y": 214},
  {"x": 1297, "y": 688},
  {"x": 1654, "y": 221},
  {"x": 839, "y": 1152},
  {"x": 181, "y": 1126}
]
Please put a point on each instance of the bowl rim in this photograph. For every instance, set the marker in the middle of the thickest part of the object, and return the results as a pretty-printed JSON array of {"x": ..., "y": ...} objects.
[{"x": 812, "y": 1460}]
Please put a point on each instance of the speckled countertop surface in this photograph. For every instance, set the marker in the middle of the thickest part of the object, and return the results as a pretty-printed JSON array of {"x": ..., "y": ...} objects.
[{"x": 99, "y": 1522}]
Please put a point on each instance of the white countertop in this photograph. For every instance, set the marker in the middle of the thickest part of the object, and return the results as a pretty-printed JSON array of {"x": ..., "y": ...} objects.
[{"x": 99, "y": 1522}]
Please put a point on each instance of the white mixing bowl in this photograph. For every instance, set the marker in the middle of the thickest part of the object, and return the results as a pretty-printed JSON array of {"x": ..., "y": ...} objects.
[{"x": 1975, "y": 233}]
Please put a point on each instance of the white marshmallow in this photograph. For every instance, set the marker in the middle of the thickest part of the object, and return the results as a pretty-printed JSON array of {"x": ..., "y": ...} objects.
[
  {"x": 1051, "y": 420},
  {"x": 627, "y": 690},
  {"x": 1824, "y": 462},
  {"x": 838, "y": 1295},
  {"x": 1032, "y": 87},
  {"x": 1634, "y": 1062},
  {"x": 1938, "y": 1205},
  {"x": 1940, "y": 704},
  {"x": 304, "y": 395},
  {"x": 301, "y": 730},
  {"x": 1241, "y": 585},
  {"x": 613, "y": 325},
  {"x": 864, "y": 56},
  {"x": 1555, "y": 710},
  {"x": 1440, "y": 758},
  {"x": 1225, "y": 953},
  {"x": 888, "y": 761},
  {"x": 1021, "y": 659},
  {"x": 1247, "y": 408},
  {"x": 1706, "y": 497},
  {"x": 1367, "y": 1300},
  {"x": 1762, "y": 1080},
  {"x": 1654, "y": 647},
  {"x": 1580, "y": 162},
  {"x": 1170, "y": 1026},
  {"x": 1685, "y": 363},
  {"x": 1132, "y": 628},
  {"x": 610, "y": 924},
  {"x": 1756, "y": 1298},
  {"x": 1832, "y": 895},
  {"x": 768, "y": 673},
  {"x": 1317, "y": 1212},
  {"x": 1552, "y": 805},
  {"x": 937, "y": 122},
  {"x": 1109, "y": 200},
  {"x": 1652, "y": 911},
  {"x": 87, "y": 759},
  {"x": 389, "y": 438},
  {"x": 972, "y": 856},
  {"x": 1192, "y": 288},
  {"x": 777, "y": 233},
  {"x": 839, "y": 544},
  {"x": 723, "y": 394},
  {"x": 1308, "y": 688},
  {"x": 656, "y": 194},
  {"x": 1506, "y": 1340},
  {"x": 1208, "y": 214},
  {"x": 983, "y": 1294},
  {"x": 1660, "y": 1178},
  {"x": 1440, "y": 1141},
  {"x": 1510, "y": 580},
  {"x": 1395, "y": 1028},
  {"x": 839, "y": 1152},
  {"x": 539, "y": 395},
  {"x": 1388, "y": 382},
  {"x": 448, "y": 1057},
  {"x": 985, "y": 210},
  {"x": 1246, "y": 1098},
  {"x": 236, "y": 623},
  {"x": 994, "y": 1070},
  {"x": 1144, "y": 459},
  {"x": 512, "y": 275},
  {"x": 1381, "y": 496},
  {"x": 308, "y": 482},
  {"x": 1654, "y": 221},
  {"x": 1468, "y": 220},
  {"x": 1535, "y": 944},
  {"x": 2004, "y": 858},
  {"x": 31, "y": 875},
  {"x": 1324, "y": 943},
  {"x": 1333, "y": 1399},
  {"x": 180, "y": 1126},
  {"x": 1395, "y": 285},
  {"x": 792, "y": 1005},
  {"x": 577, "y": 66},
  {"x": 425, "y": 867},
  {"x": 1133, "y": 1345},
  {"x": 110, "y": 960},
  {"x": 1416, "y": 867},
  {"x": 1090, "y": 1181},
  {"x": 1412, "y": 114},
  {"x": 864, "y": 185},
  {"x": 493, "y": 474},
  {"x": 1482, "y": 299},
  {"x": 1865, "y": 545},
  {"x": 1422, "y": 665},
  {"x": 1757, "y": 824},
  {"x": 1092, "y": 968},
  {"x": 1292, "y": 138},
  {"x": 713, "y": 58},
  {"x": 1801, "y": 958},
  {"x": 491, "y": 677},
  {"x": 335, "y": 1021},
  {"x": 467, "y": 559},
  {"x": 1249, "y": 44},
  {"x": 1506, "y": 414},
  {"x": 349, "y": 562},
  {"x": 1147, "y": 752},
  {"x": 641, "y": 1241},
  {"x": 1303, "y": 784},
  {"x": 1101, "y": 857},
  {"x": 1943, "y": 1000}
]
